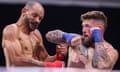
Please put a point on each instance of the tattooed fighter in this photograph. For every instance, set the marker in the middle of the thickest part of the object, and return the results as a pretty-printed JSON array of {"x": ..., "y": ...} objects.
[{"x": 89, "y": 50}]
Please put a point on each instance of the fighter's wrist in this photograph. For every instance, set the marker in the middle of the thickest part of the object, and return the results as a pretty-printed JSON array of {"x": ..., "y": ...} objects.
[
  {"x": 31, "y": 61},
  {"x": 97, "y": 34},
  {"x": 68, "y": 37},
  {"x": 59, "y": 56},
  {"x": 98, "y": 44}
]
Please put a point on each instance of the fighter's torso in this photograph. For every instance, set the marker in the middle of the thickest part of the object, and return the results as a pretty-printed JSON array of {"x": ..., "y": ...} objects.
[
  {"x": 75, "y": 57},
  {"x": 24, "y": 45},
  {"x": 27, "y": 43},
  {"x": 30, "y": 45}
]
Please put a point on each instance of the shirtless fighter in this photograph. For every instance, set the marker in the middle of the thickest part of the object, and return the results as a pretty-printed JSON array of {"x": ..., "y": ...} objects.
[
  {"x": 22, "y": 42},
  {"x": 89, "y": 50}
]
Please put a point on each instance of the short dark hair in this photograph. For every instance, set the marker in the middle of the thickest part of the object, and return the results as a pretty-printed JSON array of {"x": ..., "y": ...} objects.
[
  {"x": 30, "y": 4},
  {"x": 98, "y": 15}
]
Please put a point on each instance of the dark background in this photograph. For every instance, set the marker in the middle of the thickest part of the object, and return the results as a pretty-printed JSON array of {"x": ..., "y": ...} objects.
[{"x": 66, "y": 18}]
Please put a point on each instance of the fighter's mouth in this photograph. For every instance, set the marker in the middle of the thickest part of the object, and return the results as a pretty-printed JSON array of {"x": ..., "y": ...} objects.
[
  {"x": 85, "y": 35},
  {"x": 33, "y": 25}
]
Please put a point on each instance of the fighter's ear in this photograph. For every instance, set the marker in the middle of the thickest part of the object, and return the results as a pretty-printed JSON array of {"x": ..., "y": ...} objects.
[
  {"x": 101, "y": 26},
  {"x": 24, "y": 10}
]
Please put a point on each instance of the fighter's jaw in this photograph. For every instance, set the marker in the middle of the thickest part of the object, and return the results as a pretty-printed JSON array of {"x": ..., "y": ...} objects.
[
  {"x": 29, "y": 27},
  {"x": 32, "y": 27},
  {"x": 86, "y": 38}
]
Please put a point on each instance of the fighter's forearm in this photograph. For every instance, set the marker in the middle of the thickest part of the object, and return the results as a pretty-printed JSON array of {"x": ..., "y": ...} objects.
[
  {"x": 58, "y": 37},
  {"x": 83, "y": 53},
  {"x": 51, "y": 58},
  {"x": 100, "y": 54},
  {"x": 23, "y": 61},
  {"x": 83, "y": 50}
]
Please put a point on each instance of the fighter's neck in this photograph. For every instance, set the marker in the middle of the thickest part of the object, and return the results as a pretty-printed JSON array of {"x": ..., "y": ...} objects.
[{"x": 22, "y": 27}]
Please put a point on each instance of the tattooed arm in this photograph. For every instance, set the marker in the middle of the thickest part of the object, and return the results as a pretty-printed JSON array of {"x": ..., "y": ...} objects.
[
  {"x": 83, "y": 50},
  {"x": 104, "y": 56},
  {"x": 82, "y": 53}
]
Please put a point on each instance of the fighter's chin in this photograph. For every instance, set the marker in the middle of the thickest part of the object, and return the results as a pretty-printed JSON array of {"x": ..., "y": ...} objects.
[
  {"x": 85, "y": 39},
  {"x": 86, "y": 42},
  {"x": 31, "y": 27}
]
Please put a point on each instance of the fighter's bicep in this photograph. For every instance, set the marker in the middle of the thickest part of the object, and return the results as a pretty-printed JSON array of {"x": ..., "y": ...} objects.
[
  {"x": 9, "y": 50},
  {"x": 39, "y": 40},
  {"x": 9, "y": 40},
  {"x": 10, "y": 46},
  {"x": 113, "y": 55}
]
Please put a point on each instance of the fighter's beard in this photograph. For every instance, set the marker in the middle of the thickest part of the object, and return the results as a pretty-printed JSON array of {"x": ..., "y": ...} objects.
[
  {"x": 88, "y": 43},
  {"x": 26, "y": 21},
  {"x": 28, "y": 25}
]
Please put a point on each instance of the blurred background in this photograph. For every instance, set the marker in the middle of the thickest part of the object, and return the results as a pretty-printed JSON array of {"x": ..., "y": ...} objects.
[{"x": 64, "y": 15}]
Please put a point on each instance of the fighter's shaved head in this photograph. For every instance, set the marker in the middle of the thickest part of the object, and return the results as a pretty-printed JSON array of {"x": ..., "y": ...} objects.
[{"x": 30, "y": 4}]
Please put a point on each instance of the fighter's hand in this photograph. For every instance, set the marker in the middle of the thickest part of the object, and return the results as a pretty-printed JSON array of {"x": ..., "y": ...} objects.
[
  {"x": 58, "y": 37},
  {"x": 97, "y": 34},
  {"x": 61, "y": 51}
]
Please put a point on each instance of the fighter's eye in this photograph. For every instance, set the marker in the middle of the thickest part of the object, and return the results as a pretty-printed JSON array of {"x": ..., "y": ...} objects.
[
  {"x": 87, "y": 26},
  {"x": 34, "y": 15},
  {"x": 40, "y": 18}
]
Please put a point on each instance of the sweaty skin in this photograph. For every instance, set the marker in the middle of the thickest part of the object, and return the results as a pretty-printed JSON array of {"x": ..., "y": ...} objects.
[
  {"x": 108, "y": 55},
  {"x": 22, "y": 42},
  {"x": 81, "y": 61},
  {"x": 20, "y": 47}
]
